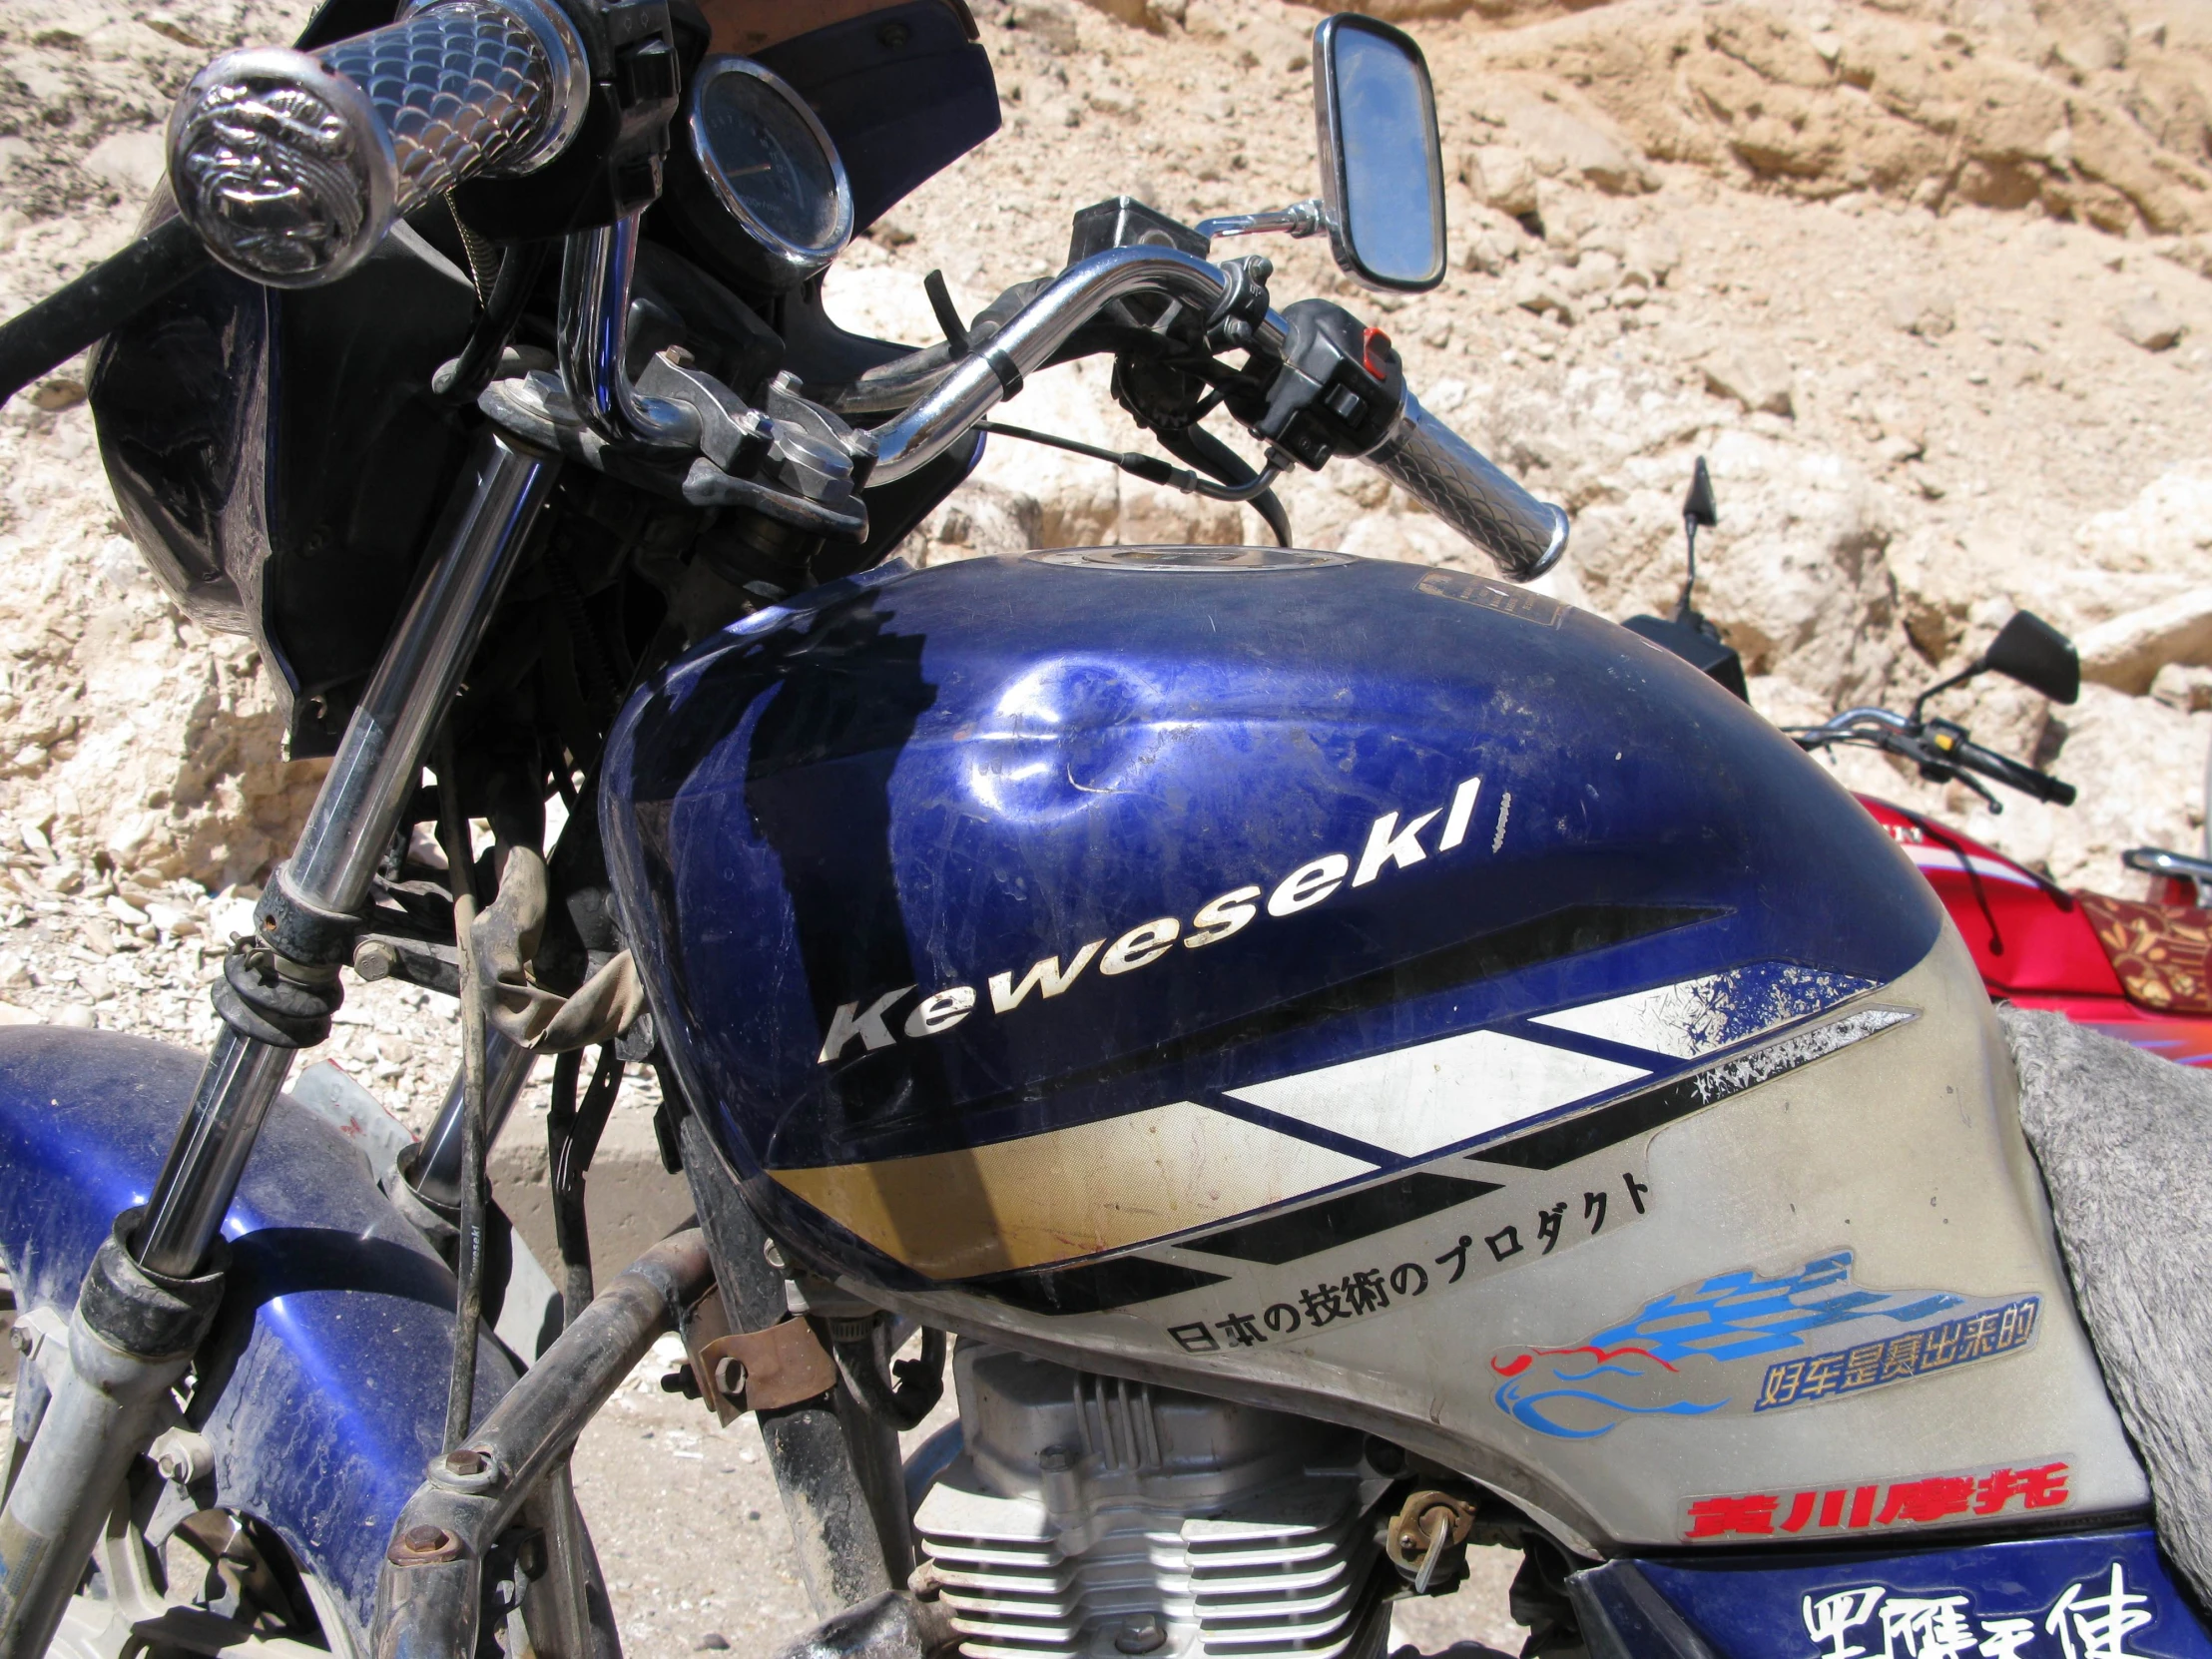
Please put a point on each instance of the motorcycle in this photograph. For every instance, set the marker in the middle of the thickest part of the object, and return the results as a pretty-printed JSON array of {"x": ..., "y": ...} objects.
[
  {"x": 2132, "y": 968},
  {"x": 2137, "y": 970},
  {"x": 1366, "y": 1060}
]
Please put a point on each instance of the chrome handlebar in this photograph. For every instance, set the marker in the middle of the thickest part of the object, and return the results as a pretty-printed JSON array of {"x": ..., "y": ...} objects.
[
  {"x": 292, "y": 167},
  {"x": 977, "y": 384},
  {"x": 1420, "y": 453},
  {"x": 594, "y": 336}
]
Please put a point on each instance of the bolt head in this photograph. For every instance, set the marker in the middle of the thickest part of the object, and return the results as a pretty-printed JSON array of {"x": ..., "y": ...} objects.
[
  {"x": 374, "y": 960},
  {"x": 22, "y": 1338},
  {"x": 426, "y": 1540},
  {"x": 467, "y": 1460},
  {"x": 1146, "y": 1635}
]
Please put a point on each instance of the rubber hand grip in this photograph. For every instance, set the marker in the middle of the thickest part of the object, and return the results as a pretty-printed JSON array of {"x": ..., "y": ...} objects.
[
  {"x": 2040, "y": 784},
  {"x": 1447, "y": 474}
]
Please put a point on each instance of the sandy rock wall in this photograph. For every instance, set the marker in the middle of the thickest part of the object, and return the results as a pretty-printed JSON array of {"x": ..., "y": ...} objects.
[
  {"x": 130, "y": 740},
  {"x": 1927, "y": 401},
  {"x": 2088, "y": 111},
  {"x": 1926, "y": 281}
]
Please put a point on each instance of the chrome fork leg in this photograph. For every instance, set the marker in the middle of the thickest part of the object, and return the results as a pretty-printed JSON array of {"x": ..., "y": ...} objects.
[{"x": 142, "y": 1310}]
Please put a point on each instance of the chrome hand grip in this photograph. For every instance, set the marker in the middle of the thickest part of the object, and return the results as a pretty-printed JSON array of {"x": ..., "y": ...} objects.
[
  {"x": 1442, "y": 470},
  {"x": 291, "y": 168}
]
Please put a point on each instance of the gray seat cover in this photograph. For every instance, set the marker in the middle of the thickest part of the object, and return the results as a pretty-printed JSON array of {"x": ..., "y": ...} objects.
[{"x": 2125, "y": 1144}]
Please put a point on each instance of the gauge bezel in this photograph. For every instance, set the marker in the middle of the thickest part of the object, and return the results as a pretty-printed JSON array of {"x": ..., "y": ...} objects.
[{"x": 790, "y": 263}]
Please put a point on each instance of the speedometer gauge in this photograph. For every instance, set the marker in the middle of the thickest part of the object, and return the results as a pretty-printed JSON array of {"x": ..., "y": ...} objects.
[{"x": 774, "y": 201}]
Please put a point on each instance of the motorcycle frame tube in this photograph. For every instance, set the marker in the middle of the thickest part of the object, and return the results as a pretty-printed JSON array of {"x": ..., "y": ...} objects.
[
  {"x": 427, "y": 1601},
  {"x": 980, "y": 383},
  {"x": 437, "y": 1173},
  {"x": 843, "y": 1508}
]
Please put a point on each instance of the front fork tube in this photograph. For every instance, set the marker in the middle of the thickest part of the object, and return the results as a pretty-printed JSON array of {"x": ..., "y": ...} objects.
[{"x": 143, "y": 1311}]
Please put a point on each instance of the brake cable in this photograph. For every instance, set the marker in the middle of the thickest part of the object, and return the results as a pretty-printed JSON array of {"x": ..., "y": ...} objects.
[{"x": 1151, "y": 469}]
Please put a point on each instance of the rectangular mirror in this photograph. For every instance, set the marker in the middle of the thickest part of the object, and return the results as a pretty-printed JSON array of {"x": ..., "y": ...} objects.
[{"x": 1382, "y": 172}]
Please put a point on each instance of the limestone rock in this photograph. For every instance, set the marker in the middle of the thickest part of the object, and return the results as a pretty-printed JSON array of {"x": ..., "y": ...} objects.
[
  {"x": 1917, "y": 310},
  {"x": 1896, "y": 100},
  {"x": 2127, "y": 652},
  {"x": 1753, "y": 374},
  {"x": 1540, "y": 293},
  {"x": 131, "y": 162},
  {"x": 2165, "y": 532},
  {"x": 1494, "y": 242},
  {"x": 1560, "y": 132},
  {"x": 2184, "y": 686},
  {"x": 2147, "y": 321},
  {"x": 1651, "y": 253},
  {"x": 1502, "y": 178},
  {"x": 2190, "y": 252},
  {"x": 1048, "y": 22}
]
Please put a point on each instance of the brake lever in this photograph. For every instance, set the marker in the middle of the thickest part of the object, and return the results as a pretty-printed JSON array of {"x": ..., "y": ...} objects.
[{"x": 1942, "y": 771}]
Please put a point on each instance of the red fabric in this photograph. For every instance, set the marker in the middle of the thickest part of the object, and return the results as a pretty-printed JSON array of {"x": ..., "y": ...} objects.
[{"x": 2162, "y": 952}]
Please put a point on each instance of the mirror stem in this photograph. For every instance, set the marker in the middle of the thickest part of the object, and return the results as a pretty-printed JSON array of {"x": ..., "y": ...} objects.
[
  {"x": 1978, "y": 666},
  {"x": 1682, "y": 611},
  {"x": 1300, "y": 219}
]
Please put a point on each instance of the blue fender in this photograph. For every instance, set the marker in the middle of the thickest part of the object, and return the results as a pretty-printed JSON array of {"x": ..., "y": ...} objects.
[{"x": 323, "y": 1384}]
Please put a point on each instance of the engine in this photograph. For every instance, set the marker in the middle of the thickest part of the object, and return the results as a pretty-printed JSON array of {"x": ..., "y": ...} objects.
[{"x": 1088, "y": 1515}]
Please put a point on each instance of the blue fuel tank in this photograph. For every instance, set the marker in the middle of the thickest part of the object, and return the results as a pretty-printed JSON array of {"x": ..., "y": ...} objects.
[{"x": 1346, "y": 985}]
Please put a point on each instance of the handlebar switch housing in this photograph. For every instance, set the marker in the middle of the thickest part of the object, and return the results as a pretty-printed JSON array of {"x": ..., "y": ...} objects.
[{"x": 1338, "y": 389}]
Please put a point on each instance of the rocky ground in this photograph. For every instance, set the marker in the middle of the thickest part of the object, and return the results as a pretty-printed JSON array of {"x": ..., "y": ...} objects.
[{"x": 1927, "y": 281}]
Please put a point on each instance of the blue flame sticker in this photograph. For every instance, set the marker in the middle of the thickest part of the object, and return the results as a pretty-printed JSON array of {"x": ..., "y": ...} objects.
[{"x": 1720, "y": 1346}]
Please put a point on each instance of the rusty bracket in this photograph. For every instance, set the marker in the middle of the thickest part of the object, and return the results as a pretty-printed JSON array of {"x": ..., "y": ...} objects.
[{"x": 755, "y": 1370}]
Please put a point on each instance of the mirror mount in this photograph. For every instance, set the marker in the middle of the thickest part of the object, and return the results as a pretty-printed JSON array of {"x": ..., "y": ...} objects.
[
  {"x": 1688, "y": 634},
  {"x": 1300, "y": 219},
  {"x": 1973, "y": 669},
  {"x": 1381, "y": 161}
]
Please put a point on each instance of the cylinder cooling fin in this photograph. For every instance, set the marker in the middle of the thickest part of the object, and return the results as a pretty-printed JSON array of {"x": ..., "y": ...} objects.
[{"x": 1089, "y": 1516}]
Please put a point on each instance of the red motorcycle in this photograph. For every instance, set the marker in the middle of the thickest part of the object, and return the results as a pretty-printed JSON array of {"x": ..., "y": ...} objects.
[
  {"x": 2140, "y": 971},
  {"x": 2137, "y": 969}
]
